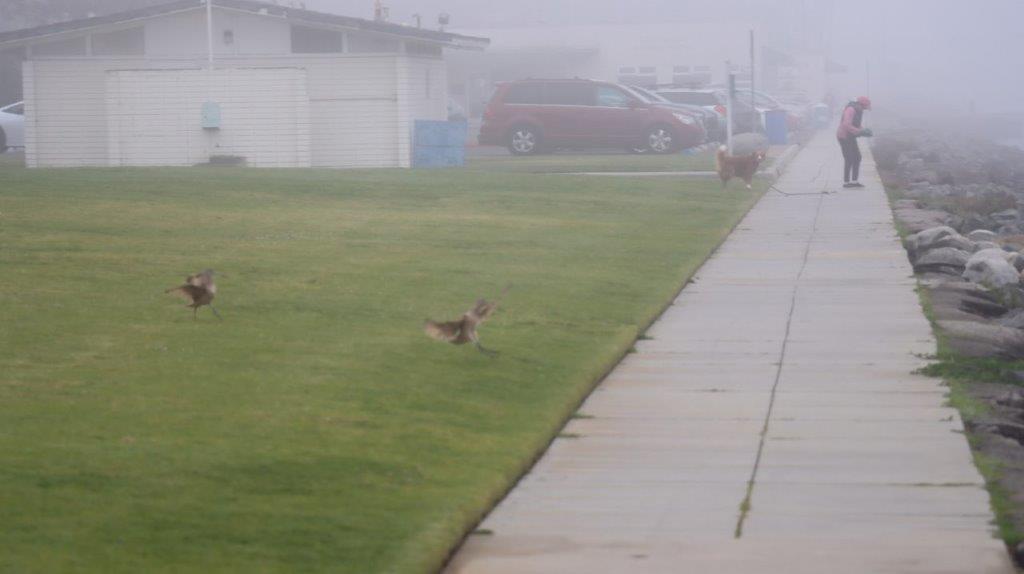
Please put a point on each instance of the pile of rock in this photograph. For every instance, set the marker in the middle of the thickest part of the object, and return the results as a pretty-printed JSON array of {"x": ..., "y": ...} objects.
[{"x": 975, "y": 285}]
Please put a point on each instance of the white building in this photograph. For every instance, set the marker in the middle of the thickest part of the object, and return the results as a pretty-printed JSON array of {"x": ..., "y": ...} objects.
[{"x": 286, "y": 88}]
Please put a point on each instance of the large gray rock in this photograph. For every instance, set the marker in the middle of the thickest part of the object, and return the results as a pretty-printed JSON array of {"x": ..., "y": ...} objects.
[
  {"x": 963, "y": 301},
  {"x": 1006, "y": 216},
  {"x": 975, "y": 339},
  {"x": 1014, "y": 319},
  {"x": 915, "y": 219},
  {"x": 990, "y": 268},
  {"x": 939, "y": 237},
  {"x": 942, "y": 259},
  {"x": 980, "y": 245},
  {"x": 982, "y": 235}
]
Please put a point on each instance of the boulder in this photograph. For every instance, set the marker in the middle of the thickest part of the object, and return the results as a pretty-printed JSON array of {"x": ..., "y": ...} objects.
[
  {"x": 1014, "y": 319},
  {"x": 916, "y": 220},
  {"x": 963, "y": 301},
  {"x": 1006, "y": 216},
  {"x": 937, "y": 237},
  {"x": 981, "y": 245},
  {"x": 982, "y": 235},
  {"x": 975, "y": 339},
  {"x": 990, "y": 268},
  {"x": 942, "y": 259}
]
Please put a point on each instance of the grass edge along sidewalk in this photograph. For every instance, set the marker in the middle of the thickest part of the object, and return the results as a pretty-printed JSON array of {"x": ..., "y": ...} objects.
[{"x": 316, "y": 428}]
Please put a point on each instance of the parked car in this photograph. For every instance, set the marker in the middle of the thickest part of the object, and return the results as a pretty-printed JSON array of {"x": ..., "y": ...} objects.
[
  {"x": 12, "y": 126},
  {"x": 714, "y": 128},
  {"x": 530, "y": 116},
  {"x": 712, "y": 100}
]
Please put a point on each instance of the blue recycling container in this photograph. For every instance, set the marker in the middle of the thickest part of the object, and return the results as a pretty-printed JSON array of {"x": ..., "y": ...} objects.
[
  {"x": 439, "y": 143},
  {"x": 775, "y": 126}
]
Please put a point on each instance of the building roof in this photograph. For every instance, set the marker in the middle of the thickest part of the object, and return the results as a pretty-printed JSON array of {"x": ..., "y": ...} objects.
[{"x": 257, "y": 7}]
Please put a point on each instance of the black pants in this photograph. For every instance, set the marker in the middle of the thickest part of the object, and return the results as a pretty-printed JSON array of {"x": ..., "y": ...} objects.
[{"x": 851, "y": 155}]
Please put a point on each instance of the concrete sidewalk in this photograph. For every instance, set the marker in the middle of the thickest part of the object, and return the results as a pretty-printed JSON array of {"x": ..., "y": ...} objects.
[{"x": 780, "y": 382}]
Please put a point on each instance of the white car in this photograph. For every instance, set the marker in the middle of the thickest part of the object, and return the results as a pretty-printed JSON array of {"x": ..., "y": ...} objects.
[{"x": 12, "y": 126}]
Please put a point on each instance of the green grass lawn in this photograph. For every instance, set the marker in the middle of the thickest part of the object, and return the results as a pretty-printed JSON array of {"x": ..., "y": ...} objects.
[
  {"x": 564, "y": 162},
  {"x": 316, "y": 428}
]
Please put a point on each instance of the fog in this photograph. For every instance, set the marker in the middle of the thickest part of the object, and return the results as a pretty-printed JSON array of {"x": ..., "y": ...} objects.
[{"x": 912, "y": 55}]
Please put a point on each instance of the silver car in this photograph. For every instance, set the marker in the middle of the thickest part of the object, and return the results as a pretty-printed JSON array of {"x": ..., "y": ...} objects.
[{"x": 12, "y": 126}]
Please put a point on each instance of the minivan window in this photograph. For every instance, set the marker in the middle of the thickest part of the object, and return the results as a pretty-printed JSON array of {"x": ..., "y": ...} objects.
[
  {"x": 523, "y": 94},
  {"x": 695, "y": 98},
  {"x": 569, "y": 94},
  {"x": 17, "y": 109},
  {"x": 610, "y": 97}
]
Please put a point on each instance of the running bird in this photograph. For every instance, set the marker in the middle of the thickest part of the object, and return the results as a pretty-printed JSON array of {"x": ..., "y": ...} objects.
[
  {"x": 463, "y": 330},
  {"x": 200, "y": 290}
]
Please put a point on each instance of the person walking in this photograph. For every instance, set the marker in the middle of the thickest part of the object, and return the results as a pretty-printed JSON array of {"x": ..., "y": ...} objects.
[{"x": 849, "y": 130}]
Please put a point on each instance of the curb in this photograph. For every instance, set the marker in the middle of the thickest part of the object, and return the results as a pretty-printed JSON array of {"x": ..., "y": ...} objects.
[{"x": 784, "y": 159}]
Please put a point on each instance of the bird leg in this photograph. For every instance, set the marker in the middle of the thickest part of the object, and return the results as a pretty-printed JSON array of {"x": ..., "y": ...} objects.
[
  {"x": 212, "y": 308},
  {"x": 194, "y": 311},
  {"x": 489, "y": 352}
]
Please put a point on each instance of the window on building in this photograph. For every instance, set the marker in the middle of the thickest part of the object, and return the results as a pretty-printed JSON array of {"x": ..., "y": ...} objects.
[
  {"x": 372, "y": 44},
  {"x": 627, "y": 70},
  {"x": 524, "y": 94},
  {"x": 647, "y": 70},
  {"x": 130, "y": 42},
  {"x": 421, "y": 49},
  {"x": 681, "y": 69},
  {"x": 69, "y": 47},
  {"x": 569, "y": 94},
  {"x": 307, "y": 40}
]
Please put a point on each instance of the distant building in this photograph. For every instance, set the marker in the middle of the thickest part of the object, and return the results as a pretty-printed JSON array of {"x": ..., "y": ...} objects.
[{"x": 288, "y": 87}]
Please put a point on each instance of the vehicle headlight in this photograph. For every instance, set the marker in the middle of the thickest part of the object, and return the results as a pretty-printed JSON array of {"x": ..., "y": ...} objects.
[{"x": 688, "y": 120}]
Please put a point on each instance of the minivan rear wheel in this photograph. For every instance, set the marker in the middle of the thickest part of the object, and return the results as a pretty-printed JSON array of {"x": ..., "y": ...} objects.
[
  {"x": 661, "y": 139},
  {"x": 524, "y": 140}
]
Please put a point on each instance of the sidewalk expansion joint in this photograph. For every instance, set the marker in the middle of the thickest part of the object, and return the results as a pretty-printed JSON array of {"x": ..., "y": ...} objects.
[{"x": 745, "y": 505}]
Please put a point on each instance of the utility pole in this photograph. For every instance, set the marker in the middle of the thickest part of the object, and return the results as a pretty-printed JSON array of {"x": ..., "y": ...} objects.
[{"x": 209, "y": 33}]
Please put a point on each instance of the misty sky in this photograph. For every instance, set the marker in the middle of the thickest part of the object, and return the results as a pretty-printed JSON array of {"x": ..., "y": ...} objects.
[{"x": 948, "y": 51}]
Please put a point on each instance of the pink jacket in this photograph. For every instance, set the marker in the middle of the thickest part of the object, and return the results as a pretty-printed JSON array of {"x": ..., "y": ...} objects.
[{"x": 846, "y": 127}]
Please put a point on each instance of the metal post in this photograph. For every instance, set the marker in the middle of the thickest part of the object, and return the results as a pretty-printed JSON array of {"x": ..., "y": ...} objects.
[
  {"x": 209, "y": 33},
  {"x": 730, "y": 90},
  {"x": 755, "y": 120}
]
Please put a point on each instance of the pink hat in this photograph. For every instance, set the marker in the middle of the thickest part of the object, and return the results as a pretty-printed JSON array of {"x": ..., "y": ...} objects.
[{"x": 865, "y": 102}]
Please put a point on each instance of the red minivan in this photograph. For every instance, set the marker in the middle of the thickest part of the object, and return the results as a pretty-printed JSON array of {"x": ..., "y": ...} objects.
[{"x": 530, "y": 116}]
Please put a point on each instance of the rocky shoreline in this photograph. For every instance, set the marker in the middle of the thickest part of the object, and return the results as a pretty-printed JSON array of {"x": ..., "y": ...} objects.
[{"x": 959, "y": 203}]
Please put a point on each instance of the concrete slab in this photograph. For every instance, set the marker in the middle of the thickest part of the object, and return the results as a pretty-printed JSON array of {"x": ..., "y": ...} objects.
[{"x": 787, "y": 365}]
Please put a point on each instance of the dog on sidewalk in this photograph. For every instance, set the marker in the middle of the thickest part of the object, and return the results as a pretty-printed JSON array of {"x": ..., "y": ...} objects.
[{"x": 741, "y": 166}]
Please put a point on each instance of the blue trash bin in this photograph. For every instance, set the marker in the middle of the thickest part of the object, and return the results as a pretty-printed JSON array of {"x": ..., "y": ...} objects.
[{"x": 775, "y": 126}]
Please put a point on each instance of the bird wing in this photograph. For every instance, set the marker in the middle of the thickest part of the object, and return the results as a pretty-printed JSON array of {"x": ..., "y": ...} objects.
[
  {"x": 447, "y": 332},
  {"x": 190, "y": 292},
  {"x": 481, "y": 311}
]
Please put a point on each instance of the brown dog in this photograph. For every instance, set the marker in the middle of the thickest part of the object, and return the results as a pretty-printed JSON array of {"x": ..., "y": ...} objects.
[{"x": 742, "y": 166}]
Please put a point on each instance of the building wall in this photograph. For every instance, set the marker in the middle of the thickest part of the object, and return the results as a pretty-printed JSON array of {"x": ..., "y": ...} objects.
[
  {"x": 361, "y": 108},
  {"x": 152, "y": 115},
  {"x": 184, "y": 34}
]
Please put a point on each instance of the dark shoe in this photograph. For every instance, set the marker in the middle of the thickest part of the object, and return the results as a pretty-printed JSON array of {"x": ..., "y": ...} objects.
[
  {"x": 858, "y": 184},
  {"x": 849, "y": 185}
]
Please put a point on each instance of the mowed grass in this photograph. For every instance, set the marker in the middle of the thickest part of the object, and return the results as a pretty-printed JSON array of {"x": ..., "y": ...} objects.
[
  {"x": 316, "y": 428},
  {"x": 568, "y": 162}
]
